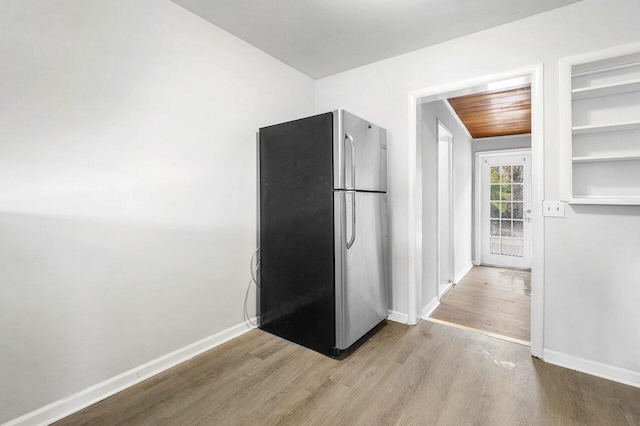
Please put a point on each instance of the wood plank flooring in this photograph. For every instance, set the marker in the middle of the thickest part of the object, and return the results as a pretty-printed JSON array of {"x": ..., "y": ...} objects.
[
  {"x": 496, "y": 300},
  {"x": 427, "y": 374}
]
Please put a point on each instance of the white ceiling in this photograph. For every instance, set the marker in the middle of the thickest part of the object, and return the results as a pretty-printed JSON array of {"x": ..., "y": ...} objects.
[{"x": 325, "y": 37}]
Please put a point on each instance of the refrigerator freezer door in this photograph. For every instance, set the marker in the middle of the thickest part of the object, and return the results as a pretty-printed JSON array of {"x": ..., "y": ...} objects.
[
  {"x": 361, "y": 269},
  {"x": 360, "y": 154}
]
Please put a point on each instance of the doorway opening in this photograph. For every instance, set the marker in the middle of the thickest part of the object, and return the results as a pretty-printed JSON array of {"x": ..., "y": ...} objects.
[{"x": 477, "y": 206}]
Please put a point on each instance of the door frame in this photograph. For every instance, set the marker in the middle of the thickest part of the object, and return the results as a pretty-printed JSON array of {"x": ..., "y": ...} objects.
[
  {"x": 477, "y": 189},
  {"x": 443, "y": 129},
  {"x": 414, "y": 259}
]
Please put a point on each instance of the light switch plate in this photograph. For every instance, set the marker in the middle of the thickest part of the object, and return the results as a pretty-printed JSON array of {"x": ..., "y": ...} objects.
[{"x": 553, "y": 208}]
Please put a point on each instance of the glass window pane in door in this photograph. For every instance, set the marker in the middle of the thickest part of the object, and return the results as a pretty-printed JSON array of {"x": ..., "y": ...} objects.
[
  {"x": 518, "y": 247},
  {"x": 494, "y": 174},
  {"x": 517, "y": 211},
  {"x": 505, "y": 174},
  {"x": 505, "y": 209},
  {"x": 518, "y": 173},
  {"x": 495, "y": 192},
  {"x": 518, "y": 229},
  {"x": 495, "y": 210},
  {"x": 495, "y": 228},
  {"x": 505, "y": 192},
  {"x": 516, "y": 192},
  {"x": 506, "y": 247},
  {"x": 505, "y": 228}
]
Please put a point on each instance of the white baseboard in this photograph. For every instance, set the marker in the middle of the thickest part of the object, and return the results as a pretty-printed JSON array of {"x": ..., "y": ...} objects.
[
  {"x": 445, "y": 289},
  {"x": 606, "y": 371},
  {"x": 82, "y": 399},
  {"x": 430, "y": 307},
  {"x": 398, "y": 317},
  {"x": 464, "y": 272}
]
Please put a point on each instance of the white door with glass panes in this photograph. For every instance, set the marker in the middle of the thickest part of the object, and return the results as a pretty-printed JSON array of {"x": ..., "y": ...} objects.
[{"x": 506, "y": 210}]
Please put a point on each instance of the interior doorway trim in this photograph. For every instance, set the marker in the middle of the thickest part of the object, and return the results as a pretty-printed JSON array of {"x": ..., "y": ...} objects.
[
  {"x": 477, "y": 189},
  {"x": 535, "y": 72},
  {"x": 443, "y": 130}
]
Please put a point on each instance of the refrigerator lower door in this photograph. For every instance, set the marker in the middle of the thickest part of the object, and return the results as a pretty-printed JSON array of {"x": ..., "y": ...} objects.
[
  {"x": 361, "y": 267},
  {"x": 360, "y": 153}
]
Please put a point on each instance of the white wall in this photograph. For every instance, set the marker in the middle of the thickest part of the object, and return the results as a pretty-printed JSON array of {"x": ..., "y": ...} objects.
[
  {"x": 462, "y": 217},
  {"x": 127, "y": 194},
  {"x": 503, "y": 142},
  {"x": 592, "y": 256}
]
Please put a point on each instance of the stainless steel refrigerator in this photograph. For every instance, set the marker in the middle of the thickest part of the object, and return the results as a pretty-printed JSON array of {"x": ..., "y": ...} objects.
[{"x": 323, "y": 230}]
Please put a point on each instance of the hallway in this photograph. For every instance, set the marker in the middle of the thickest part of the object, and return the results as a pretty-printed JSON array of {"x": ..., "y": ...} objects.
[{"x": 492, "y": 300}]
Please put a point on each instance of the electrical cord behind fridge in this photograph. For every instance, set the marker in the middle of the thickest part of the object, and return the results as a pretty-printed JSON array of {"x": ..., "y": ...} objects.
[{"x": 253, "y": 270}]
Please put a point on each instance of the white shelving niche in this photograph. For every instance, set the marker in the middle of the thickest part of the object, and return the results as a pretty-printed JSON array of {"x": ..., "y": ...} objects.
[{"x": 600, "y": 98}]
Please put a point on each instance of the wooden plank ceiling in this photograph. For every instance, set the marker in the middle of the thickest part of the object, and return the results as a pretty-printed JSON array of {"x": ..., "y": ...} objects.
[{"x": 490, "y": 114}]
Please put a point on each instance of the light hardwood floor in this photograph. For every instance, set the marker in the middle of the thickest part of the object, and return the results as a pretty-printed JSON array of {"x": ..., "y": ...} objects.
[
  {"x": 428, "y": 374},
  {"x": 496, "y": 300}
]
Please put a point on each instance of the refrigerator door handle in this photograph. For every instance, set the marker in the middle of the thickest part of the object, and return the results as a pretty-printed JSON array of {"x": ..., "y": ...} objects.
[
  {"x": 353, "y": 220},
  {"x": 348, "y": 137}
]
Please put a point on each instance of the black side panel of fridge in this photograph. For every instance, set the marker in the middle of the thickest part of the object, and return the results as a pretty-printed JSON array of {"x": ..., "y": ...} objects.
[{"x": 297, "y": 294}]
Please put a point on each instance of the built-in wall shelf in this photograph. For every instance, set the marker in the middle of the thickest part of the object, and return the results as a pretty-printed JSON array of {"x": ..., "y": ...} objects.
[
  {"x": 609, "y": 127},
  {"x": 606, "y": 89},
  {"x": 624, "y": 201},
  {"x": 601, "y": 158},
  {"x": 597, "y": 67},
  {"x": 600, "y": 99}
]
